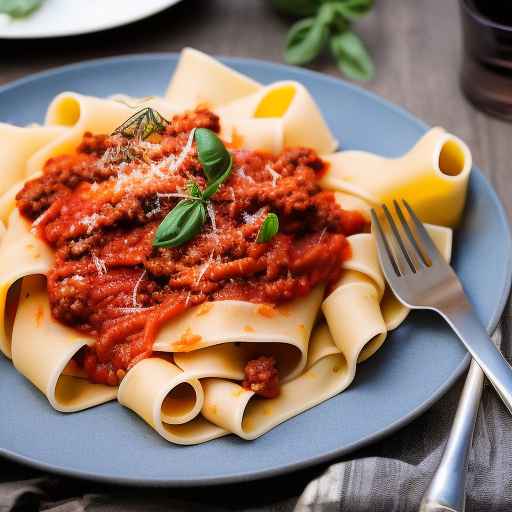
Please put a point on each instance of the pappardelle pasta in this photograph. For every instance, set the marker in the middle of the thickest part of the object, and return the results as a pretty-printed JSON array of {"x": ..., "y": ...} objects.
[{"x": 205, "y": 258}]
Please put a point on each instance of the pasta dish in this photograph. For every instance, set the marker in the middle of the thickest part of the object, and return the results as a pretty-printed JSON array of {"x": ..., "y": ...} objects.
[{"x": 205, "y": 258}]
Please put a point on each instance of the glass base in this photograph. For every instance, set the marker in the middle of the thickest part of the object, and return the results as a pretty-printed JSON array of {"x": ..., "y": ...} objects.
[{"x": 488, "y": 88}]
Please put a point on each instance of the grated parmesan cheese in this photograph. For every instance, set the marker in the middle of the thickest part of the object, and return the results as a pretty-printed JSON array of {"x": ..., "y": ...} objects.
[
  {"x": 252, "y": 218},
  {"x": 134, "y": 293},
  {"x": 99, "y": 264},
  {"x": 204, "y": 268},
  {"x": 241, "y": 172},
  {"x": 90, "y": 221},
  {"x": 184, "y": 152},
  {"x": 156, "y": 210},
  {"x": 275, "y": 175},
  {"x": 132, "y": 310},
  {"x": 211, "y": 213}
]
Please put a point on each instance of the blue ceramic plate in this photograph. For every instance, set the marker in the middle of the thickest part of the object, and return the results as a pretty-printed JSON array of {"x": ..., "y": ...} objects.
[{"x": 416, "y": 365}]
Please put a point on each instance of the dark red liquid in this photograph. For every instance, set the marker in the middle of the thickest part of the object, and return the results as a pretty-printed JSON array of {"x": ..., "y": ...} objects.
[{"x": 486, "y": 74}]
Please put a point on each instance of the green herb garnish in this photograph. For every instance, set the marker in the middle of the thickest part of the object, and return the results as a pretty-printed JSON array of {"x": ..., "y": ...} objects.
[
  {"x": 268, "y": 229},
  {"x": 19, "y": 8},
  {"x": 215, "y": 159},
  {"x": 328, "y": 20},
  {"x": 187, "y": 218},
  {"x": 142, "y": 124}
]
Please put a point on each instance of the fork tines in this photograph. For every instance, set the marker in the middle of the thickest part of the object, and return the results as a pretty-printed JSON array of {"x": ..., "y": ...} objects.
[{"x": 404, "y": 244}]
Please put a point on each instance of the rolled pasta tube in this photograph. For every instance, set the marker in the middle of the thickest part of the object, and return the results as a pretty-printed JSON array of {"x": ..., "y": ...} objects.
[
  {"x": 259, "y": 134},
  {"x": 42, "y": 349},
  {"x": 80, "y": 114},
  {"x": 432, "y": 176},
  {"x": 235, "y": 409},
  {"x": 21, "y": 254},
  {"x": 354, "y": 317},
  {"x": 17, "y": 145},
  {"x": 169, "y": 400},
  {"x": 202, "y": 80},
  {"x": 283, "y": 331},
  {"x": 290, "y": 102}
]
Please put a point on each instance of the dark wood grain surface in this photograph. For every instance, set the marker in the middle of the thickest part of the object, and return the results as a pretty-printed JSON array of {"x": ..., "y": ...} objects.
[{"x": 416, "y": 46}]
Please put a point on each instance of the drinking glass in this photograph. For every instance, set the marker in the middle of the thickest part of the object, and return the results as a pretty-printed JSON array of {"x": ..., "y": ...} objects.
[{"x": 486, "y": 72}]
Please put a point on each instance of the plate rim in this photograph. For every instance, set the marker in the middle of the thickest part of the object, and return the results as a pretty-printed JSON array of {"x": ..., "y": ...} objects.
[
  {"x": 325, "y": 456},
  {"x": 100, "y": 28}
]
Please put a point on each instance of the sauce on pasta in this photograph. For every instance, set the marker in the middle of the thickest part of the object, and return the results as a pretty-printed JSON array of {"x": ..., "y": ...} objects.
[{"x": 99, "y": 209}]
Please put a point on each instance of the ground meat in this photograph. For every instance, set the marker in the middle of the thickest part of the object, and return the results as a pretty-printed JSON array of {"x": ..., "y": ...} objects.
[
  {"x": 99, "y": 209},
  {"x": 262, "y": 377}
]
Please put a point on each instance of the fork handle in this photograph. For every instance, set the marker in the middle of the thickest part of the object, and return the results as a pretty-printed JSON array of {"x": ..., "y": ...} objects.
[
  {"x": 447, "y": 490},
  {"x": 474, "y": 336}
]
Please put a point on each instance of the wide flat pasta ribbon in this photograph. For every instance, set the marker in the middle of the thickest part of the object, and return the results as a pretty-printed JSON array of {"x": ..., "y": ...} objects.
[
  {"x": 22, "y": 254},
  {"x": 202, "y": 80},
  {"x": 42, "y": 350},
  {"x": 288, "y": 102},
  {"x": 433, "y": 176},
  {"x": 280, "y": 331},
  {"x": 17, "y": 145}
]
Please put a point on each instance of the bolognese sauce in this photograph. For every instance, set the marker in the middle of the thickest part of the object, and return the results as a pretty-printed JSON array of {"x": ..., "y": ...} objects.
[{"x": 100, "y": 207}]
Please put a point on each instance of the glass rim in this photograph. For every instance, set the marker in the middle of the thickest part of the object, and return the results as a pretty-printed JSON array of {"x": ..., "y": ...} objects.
[{"x": 468, "y": 6}]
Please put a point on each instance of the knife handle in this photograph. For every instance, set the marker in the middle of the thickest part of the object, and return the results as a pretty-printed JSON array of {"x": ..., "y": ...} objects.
[{"x": 447, "y": 490}]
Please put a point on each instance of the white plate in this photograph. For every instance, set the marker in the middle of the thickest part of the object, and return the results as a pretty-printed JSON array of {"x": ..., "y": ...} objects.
[{"x": 58, "y": 18}]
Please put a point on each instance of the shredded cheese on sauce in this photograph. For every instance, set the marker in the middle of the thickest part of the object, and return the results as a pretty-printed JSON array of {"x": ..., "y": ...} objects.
[
  {"x": 184, "y": 152},
  {"x": 156, "y": 210},
  {"x": 211, "y": 213},
  {"x": 252, "y": 218},
  {"x": 204, "y": 268},
  {"x": 241, "y": 172},
  {"x": 90, "y": 221},
  {"x": 134, "y": 293},
  {"x": 275, "y": 175},
  {"x": 99, "y": 264}
]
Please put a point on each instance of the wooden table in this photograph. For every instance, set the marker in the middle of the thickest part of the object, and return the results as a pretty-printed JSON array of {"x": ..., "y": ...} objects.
[{"x": 416, "y": 46}]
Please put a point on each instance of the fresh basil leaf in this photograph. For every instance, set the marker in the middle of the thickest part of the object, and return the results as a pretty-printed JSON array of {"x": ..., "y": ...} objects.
[
  {"x": 212, "y": 154},
  {"x": 181, "y": 224},
  {"x": 351, "y": 56},
  {"x": 297, "y": 7},
  {"x": 214, "y": 186},
  {"x": 268, "y": 229},
  {"x": 305, "y": 41},
  {"x": 19, "y": 8},
  {"x": 352, "y": 10}
]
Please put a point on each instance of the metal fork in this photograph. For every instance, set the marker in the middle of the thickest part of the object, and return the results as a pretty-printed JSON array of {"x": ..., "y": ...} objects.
[{"x": 422, "y": 279}]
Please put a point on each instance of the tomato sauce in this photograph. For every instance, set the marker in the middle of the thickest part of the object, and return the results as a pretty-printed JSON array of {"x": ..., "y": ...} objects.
[{"x": 99, "y": 209}]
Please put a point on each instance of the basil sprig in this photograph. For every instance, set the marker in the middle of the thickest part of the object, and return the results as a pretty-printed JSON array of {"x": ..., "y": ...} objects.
[
  {"x": 328, "y": 21},
  {"x": 268, "y": 229},
  {"x": 187, "y": 218}
]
